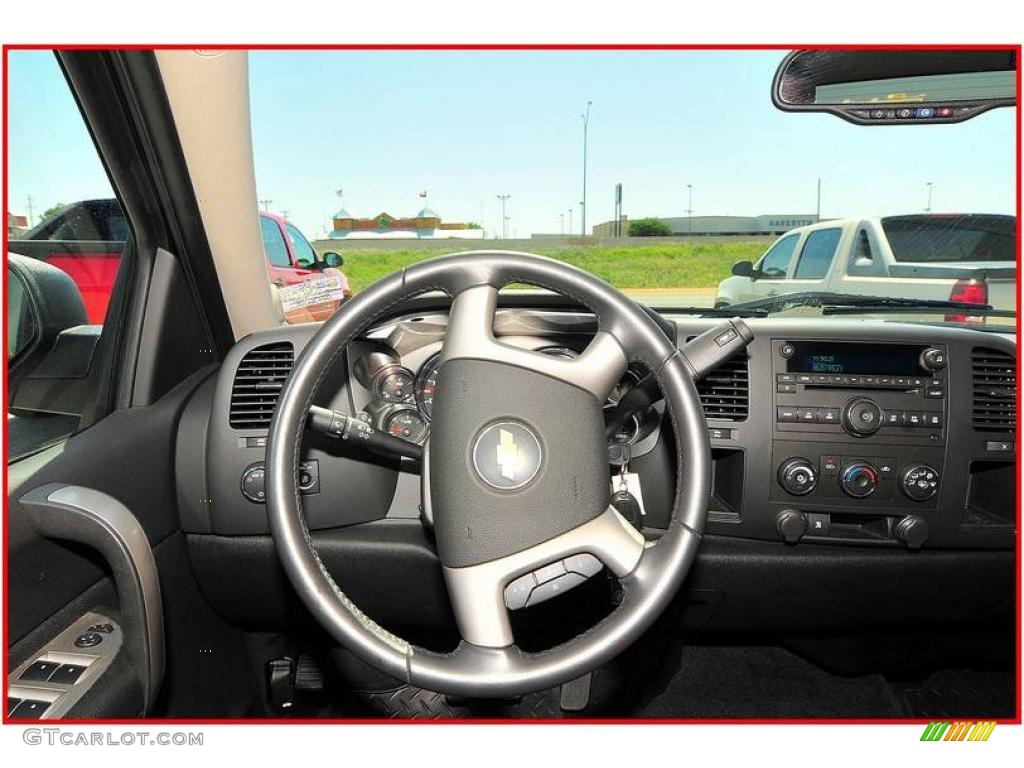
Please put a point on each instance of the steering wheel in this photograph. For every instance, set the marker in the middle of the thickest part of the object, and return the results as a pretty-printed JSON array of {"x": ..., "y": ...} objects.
[{"x": 517, "y": 475}]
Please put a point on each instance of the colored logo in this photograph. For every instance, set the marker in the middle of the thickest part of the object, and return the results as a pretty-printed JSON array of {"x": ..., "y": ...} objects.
[
  {"x": 963, "y": 730},
  {"x": 507, "y": 455}
]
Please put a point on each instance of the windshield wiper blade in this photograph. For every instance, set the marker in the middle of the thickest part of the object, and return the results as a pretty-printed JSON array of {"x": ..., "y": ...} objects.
[{"x": 828, "y": 300}]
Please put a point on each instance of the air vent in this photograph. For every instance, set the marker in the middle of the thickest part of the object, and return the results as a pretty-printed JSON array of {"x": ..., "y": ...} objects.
[
  {"x": 258, "y": 382},
  {"x": 995, "y": 390},
  {"x": 724, "y": 391}
]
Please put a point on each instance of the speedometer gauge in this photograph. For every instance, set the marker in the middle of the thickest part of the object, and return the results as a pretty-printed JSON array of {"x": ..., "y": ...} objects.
[{"x": 426, "y": 386}]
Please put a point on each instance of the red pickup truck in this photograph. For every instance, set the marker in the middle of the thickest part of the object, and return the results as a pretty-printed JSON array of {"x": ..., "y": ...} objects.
[{"x": 86, "y": 239}]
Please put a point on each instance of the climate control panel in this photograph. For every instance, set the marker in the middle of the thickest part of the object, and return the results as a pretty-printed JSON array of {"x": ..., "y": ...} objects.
[{"x": 904, "y": 479}]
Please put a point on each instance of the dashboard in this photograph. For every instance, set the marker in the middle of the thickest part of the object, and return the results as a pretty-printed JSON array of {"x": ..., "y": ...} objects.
[{"x": 847, "y": 433}]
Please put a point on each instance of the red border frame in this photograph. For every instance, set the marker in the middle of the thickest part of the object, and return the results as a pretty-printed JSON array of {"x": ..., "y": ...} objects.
[{"x": 1016, "y": 720}]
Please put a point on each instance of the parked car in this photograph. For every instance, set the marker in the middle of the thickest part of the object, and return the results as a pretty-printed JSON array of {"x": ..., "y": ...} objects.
[
  {"x": 958, "y": 257},
  {"x": 86, "y": 239}
]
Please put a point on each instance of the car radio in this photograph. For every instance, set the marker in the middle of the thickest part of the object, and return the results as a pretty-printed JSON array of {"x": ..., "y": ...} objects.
[{"x": 864, "y": 390}]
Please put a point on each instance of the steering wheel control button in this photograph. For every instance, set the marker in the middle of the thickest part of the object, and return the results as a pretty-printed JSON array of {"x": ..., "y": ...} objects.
[
  {"x": 517, "y": 593},
  {"x": 583, "y": 564},
  {"x": 920, "y": 482},
  {"x": 67, "y": 674},
  {"x": 40, "y": 671},
  {"x": 507, "y": 455},
  {"x": 859, "y": 479},
  {"x": 862, "y": 417},
  {"x": 797, "y": 476},
  {"x": 88, "y": 640}
]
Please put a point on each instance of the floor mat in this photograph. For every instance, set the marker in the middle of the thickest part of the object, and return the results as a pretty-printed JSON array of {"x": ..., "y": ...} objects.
[
  {"x": 959, "y": 693},
  {"x": 755, "y": 682}
]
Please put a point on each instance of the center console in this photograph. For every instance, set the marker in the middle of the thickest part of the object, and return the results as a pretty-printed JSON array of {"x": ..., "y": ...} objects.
[{"x": 858, "y": 438}]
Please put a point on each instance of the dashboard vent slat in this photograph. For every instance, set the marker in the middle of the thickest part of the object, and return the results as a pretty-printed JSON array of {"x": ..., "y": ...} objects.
[
  {"x": 724, "y": 393},
  {"x": 258, "y": 382},
  {"x": 994, "y": 382}
]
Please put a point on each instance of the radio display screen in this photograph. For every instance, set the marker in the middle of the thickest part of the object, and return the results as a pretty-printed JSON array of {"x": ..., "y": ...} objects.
[{"x": 831, "y": 357}]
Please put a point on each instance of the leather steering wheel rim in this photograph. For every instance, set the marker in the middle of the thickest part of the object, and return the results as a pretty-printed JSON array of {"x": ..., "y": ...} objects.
[{"x": 493, "y": 669}]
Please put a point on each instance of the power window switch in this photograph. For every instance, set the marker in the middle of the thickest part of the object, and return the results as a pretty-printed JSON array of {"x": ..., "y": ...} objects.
[
  {"x": 40, "y": 671},
  {"x": 67, "y": 674},
  {"x": 29, "y": 709}
]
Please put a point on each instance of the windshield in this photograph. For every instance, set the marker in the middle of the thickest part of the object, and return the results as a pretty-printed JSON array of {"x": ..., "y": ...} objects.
[
  {"x": 670, "y": 174},
  {"x": 657, "y": 170}
]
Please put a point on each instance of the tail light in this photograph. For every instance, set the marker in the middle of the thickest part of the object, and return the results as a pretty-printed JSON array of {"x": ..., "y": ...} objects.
[{"x": 968, "y": 291}]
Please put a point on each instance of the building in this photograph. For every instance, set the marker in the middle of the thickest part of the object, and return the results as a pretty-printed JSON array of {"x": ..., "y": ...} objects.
[
  {"x": 424, "y": 225},
  {"x": 17, "y": 224},
  {"x": 721, "y": 226}
]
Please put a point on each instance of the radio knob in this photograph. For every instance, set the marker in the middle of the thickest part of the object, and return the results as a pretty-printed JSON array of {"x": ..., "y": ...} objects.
[
  {"x": 920, "y": 482},
  {"x": 933, "y": 359},
  {"x": 797, "y": 476},
  {"x": 912, "y": 531},
  {"x": 862, "y": 417},
  {"x": 859, "y": 479},
  {"x": 791, "y": 525}
]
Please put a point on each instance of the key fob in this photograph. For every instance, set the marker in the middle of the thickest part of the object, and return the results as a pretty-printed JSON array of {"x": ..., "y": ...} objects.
[{"x": 625, "y": 504}]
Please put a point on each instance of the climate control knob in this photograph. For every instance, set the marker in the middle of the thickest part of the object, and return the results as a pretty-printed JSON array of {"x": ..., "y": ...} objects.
[
  {"x": 862, "y": 417},
  {"x": 920, "y": 482},
  {"x": 858, "y": 479},
  {"x": 797, "y": 476}
]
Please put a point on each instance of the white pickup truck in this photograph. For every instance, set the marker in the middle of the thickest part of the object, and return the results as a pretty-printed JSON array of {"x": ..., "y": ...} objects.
[{"x": 958, "y": 257}]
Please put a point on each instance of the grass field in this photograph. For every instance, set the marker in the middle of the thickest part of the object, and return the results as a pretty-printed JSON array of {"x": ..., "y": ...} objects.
[{"x": 682, "y": 265}]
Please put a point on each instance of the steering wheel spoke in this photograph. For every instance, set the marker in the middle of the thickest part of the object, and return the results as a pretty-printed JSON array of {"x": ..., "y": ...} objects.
[
  {"x": 479, "y": 593},
  {"x": 470, "y": 335}
]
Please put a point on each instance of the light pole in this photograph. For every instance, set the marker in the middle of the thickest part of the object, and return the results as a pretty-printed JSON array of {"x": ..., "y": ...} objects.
[
  {"x": 570, "y": 220},
  {"x": 689, "y": 208},
  {"x": 817, "y": 211},
  {"x": 561, "y": 223},
  {"x": 504, "y": 218},
  {"x": 266, "y": 205},
  {"x": 928, "y": 208},
  {"x": 583, "y": 204}
]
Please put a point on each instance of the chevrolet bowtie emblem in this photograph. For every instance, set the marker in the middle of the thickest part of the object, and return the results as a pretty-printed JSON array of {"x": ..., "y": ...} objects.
[{"x": 508, "y": 455}]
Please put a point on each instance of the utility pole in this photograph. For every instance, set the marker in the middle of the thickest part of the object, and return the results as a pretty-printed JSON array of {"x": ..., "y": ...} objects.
[
  {"x": 265, "y": 204},
  {"x": 928, "y": 208},
  {"x": 284, "y": 214},
  {"x": 561, "y": 223},
  {"x": 504, "y": 218},
  {"x": 583, "y": 203},
  {"x": 689, "y": 208},
  {"x": 617, "y": 226},
  {"x": 30, "y": 210},
  {"x": 817, "y": 211},
  {"x": 570, "y": 220}
]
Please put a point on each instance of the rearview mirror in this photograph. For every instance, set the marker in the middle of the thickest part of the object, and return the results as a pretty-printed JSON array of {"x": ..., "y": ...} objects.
[
  {"x": 332, "y": 259},
  {"x": 897, "y": 87},
  {"x": 743, "y": 269}
]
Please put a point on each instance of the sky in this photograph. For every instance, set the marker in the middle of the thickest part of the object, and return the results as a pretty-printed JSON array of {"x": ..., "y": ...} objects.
[{"x": 467, "y": 126}]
